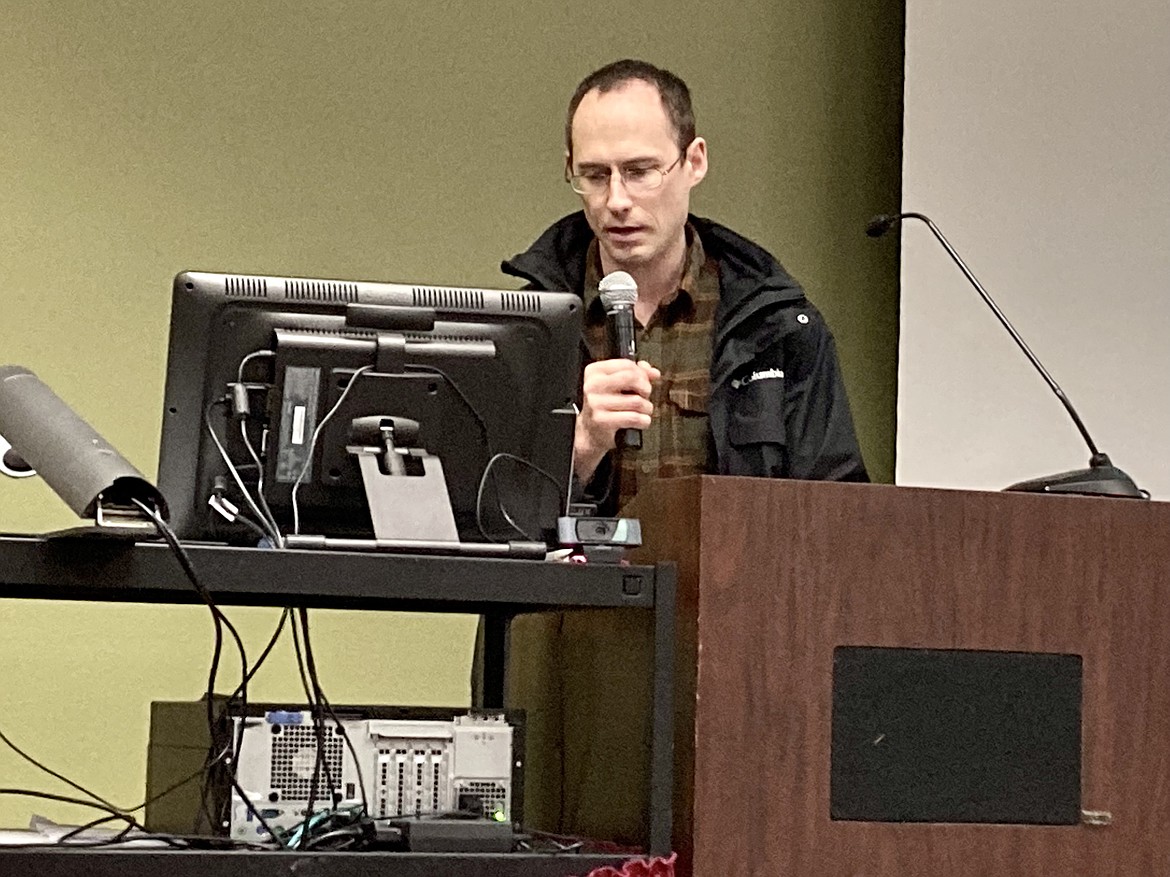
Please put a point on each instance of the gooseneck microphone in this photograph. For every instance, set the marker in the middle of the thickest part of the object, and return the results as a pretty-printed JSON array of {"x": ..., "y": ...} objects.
[
  {"x": 619, "y": 292},
  {"x": 1102, "y": 478}
]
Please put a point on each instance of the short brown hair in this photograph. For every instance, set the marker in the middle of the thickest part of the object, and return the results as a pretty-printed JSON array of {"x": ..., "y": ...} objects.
[{"x": 676, "y": 97}]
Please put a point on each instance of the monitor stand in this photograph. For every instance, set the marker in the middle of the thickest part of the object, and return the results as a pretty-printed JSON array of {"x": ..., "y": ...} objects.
[{"x": 410, "y": 507}]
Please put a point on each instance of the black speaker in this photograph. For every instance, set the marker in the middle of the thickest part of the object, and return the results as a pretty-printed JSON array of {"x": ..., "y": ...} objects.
[{"x": 928, "y": 735}]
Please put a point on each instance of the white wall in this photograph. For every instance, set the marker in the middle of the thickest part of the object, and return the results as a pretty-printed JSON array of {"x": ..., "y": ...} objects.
[{"x": 1037, "y": 138}]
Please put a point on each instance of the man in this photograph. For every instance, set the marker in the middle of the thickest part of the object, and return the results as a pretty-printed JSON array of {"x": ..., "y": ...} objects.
[
  {"x": 739, "y": 376},
  {"x": 740, "y": 373}
]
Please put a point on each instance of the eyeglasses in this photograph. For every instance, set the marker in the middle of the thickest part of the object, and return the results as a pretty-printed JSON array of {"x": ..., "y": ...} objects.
[{"x": 638, "y": 179}]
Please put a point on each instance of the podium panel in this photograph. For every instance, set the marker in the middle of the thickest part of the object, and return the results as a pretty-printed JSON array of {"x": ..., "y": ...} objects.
[{"x": 1050, "y": 612}]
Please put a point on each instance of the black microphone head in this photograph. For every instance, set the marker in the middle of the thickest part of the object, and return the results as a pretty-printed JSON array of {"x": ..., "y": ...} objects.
[{"x": 879, "y": 225}]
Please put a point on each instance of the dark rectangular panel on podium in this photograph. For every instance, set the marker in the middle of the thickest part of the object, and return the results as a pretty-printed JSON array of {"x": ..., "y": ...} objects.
[{"x": 956, "y": 735}]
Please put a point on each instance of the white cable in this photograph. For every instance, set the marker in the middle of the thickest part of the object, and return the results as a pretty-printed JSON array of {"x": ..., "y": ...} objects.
[
  {"x": 266, "y": 514},
  {"x": 255, "y": 354},
  {"x": 572, "y": 462},
  {"x": 273, "y": 533}
]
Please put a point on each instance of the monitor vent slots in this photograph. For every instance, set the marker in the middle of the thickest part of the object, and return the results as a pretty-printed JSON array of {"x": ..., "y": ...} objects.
[
  {"x": 321, "y": 290},
  {"x": 246, "y": 287},
  {"x": 347, "y": 332},
  {"x": 437, "y": 338},
  {"x": 448, "y": 299},
  {"x": 521, "y": 302}
]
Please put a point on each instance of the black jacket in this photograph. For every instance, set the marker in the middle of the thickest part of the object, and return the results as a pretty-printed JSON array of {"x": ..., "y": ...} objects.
[{"x": 777, "y": 406}]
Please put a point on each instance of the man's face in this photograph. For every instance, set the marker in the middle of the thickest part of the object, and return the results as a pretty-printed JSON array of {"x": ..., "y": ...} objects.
[{"x": 628, "y": 128}]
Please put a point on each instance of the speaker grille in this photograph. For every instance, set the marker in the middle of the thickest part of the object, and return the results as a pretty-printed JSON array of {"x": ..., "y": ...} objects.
[{"x": 955, "y": 735}]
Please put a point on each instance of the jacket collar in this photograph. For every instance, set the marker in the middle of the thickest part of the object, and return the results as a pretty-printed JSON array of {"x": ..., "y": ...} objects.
[
  {"x": 750, "y": 277},
  {"x": 556, "y": 260}
]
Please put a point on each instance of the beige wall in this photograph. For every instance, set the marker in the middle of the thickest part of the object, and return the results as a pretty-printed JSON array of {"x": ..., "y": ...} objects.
[{"x": 390, "y": 141}]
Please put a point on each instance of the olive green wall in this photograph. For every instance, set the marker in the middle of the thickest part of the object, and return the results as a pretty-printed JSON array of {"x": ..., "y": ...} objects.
[{"x": 387, "y": 141}]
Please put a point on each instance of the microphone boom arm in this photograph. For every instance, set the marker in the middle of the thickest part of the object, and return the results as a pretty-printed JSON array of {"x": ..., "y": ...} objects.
[
  {"x": 1002, "y": 317},
  {"x": 1102, "y": 478}
]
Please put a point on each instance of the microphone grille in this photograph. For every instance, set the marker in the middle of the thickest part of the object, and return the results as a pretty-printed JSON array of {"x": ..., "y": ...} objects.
[{"x": 618, "y": 288}]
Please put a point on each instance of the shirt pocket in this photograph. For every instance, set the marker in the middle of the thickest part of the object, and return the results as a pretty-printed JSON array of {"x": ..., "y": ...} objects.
[{"x": 757, "y": 413}]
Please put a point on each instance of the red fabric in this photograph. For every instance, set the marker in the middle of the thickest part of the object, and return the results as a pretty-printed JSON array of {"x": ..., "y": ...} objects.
[{"x": 639, "y": 868}]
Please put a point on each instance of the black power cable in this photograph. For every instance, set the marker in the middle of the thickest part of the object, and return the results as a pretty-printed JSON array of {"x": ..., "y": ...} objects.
[
  {"x": 321, "y": 763},
  {"x": 561, "y": 493},
  {"x": 104, "y": 804},
  {"x": 218, "y": 753},
  {"x": 112, "y": 813},
  {"x": 319, "y": 705},
  {"x": 328, "y": 707},
  {"x": 124, "y": 813},
  {"x": 220, "y": 621}
]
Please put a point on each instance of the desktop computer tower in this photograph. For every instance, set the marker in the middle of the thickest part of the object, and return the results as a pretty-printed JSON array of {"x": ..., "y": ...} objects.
[{"x": 408, "y": 762}]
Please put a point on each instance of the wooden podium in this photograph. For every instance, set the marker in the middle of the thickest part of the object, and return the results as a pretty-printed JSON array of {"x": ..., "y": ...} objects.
[{"x": 775, "y": 579}]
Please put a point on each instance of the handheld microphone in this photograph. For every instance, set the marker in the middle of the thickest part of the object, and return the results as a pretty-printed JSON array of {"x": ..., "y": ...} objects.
[
  {"x": 619, "y": 292},
  {"x": 1102, "y": 478}
]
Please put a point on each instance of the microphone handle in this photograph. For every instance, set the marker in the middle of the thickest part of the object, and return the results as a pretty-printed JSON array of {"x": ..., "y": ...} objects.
[
  {"x": 625, "y": 347},
  {"x": 628, "y": 438}
]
